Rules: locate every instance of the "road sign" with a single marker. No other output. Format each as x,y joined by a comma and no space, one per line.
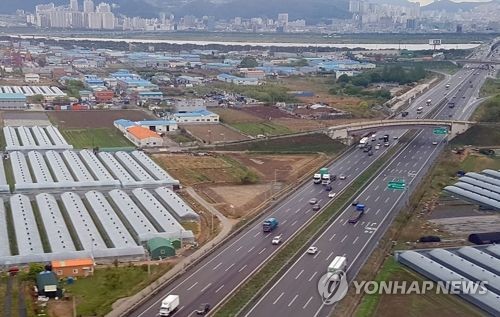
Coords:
440,131
396,184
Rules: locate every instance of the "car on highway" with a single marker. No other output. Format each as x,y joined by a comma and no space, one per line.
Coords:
276,240
342,177
328,188
370,153
312,250
203,309
316,207
377,147
313,201
386,144
331,194
395,137
435,143
355,203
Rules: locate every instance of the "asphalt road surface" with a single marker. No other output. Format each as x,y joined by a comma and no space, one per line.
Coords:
295,293
232,263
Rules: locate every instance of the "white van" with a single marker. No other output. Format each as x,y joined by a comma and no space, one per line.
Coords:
420,109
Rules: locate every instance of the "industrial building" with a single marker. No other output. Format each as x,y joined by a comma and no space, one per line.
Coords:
200,116
9,101
159,126
482,189
238,80
46,91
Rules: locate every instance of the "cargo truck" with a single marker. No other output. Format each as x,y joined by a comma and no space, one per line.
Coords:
357,213
169,305
269,224
339,263
318,177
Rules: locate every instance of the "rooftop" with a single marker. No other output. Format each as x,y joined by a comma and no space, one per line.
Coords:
198,113
142,133
11,96
72,262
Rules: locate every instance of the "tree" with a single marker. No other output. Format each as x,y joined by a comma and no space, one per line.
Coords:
343,79
248,62
37,98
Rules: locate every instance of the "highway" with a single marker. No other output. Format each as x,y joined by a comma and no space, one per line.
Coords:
221,272
295,293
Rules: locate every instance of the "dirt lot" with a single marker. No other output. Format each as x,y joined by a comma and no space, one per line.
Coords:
266,112
218,178
218,132
94,118
230,115
18,118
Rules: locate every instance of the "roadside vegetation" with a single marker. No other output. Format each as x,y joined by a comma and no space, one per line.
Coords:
314,143
73,88
491,87
268,93
263,128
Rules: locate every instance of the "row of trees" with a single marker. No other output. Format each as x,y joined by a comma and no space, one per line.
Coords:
388,74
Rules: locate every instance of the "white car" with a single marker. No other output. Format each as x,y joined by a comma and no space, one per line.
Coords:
312,250
435,143
276,240
377,147
331,194
342,177
313,201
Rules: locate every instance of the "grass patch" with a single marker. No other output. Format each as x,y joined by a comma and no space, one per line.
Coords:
100,137
191,225
9,174
269,271
488,111
263,128
181,138
490,87
95,294
11,229
479,135
313,143
2,140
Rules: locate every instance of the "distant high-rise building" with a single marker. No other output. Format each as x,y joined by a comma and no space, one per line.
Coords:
354,6
459,28
88,6
94,20
58,19
108,20
103,8
77,20
44,7
282,19
73,5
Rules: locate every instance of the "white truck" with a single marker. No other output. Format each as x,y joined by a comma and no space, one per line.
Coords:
169,305
339,263
363,142
325,179
317,178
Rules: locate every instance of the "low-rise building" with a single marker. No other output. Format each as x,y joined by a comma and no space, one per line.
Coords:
73,267
238,80
10,101
103,96
143,137
31,78
189,105
200,116
158,126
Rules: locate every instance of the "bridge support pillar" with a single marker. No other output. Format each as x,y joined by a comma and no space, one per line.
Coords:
458,128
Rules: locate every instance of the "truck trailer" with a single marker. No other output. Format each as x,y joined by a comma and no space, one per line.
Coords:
269,224
169,305
339,263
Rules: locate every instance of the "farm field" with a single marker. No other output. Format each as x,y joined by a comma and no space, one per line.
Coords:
100,137
264,128
94,118
313,143
210,133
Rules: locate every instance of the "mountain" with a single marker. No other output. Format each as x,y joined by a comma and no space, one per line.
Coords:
450,6
311,10
297,9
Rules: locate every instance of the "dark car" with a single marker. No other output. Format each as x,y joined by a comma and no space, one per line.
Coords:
333,177
328,188
203,309
316,207
370,153
404,113
355,203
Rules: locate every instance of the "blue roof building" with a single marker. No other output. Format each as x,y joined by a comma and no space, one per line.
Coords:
12,101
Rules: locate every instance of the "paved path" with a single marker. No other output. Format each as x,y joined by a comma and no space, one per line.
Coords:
121,306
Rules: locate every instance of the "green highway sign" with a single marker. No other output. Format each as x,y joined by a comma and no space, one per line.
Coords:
397,184
440,131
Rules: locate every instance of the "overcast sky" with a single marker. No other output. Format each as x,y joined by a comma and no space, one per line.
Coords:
424,2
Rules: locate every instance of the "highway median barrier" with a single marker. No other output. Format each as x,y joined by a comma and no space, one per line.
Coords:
255,286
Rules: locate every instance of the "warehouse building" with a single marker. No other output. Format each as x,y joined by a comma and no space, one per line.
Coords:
159,126
143,137
160,248
9,101
200,116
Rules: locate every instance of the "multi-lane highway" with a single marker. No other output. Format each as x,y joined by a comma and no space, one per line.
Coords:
295,293
228,266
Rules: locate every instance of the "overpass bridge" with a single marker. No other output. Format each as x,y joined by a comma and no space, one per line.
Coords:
346,131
